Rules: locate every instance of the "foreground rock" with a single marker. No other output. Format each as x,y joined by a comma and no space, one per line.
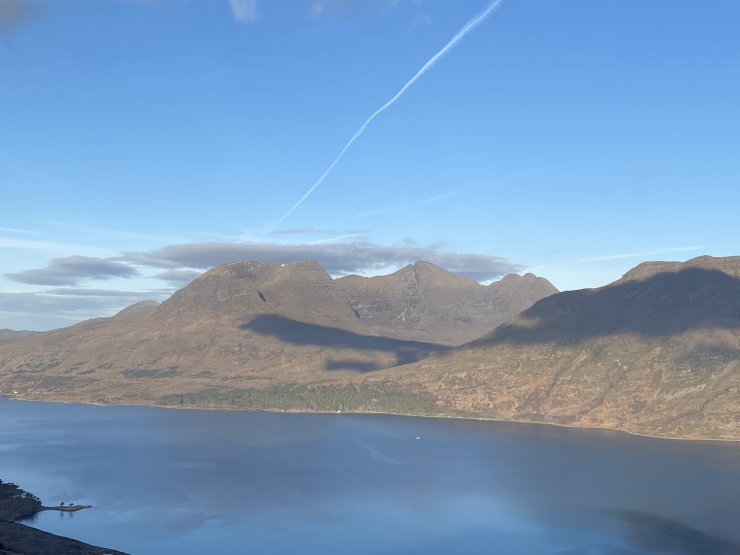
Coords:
18,539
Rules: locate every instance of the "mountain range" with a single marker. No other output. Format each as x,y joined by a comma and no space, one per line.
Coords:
656,352
255,324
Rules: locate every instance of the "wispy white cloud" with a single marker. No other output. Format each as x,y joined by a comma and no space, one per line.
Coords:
420,20
605,258
14,13
245,11
166,236
317,8
18,231
8,243
337,239
89,292
296,231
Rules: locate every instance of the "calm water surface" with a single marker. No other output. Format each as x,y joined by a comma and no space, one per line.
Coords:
186,482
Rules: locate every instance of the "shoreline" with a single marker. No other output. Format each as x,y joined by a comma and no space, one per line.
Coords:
452,417
65,508
17,506
378,413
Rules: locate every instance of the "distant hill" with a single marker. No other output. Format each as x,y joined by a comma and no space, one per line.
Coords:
253,324
655,352
137,310
428,303
11,335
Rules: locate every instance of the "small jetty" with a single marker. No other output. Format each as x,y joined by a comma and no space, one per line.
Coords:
66,508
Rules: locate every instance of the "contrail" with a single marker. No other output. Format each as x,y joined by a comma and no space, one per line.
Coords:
469,26
399,206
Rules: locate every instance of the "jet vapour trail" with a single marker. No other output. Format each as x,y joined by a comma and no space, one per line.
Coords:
398,206
469,26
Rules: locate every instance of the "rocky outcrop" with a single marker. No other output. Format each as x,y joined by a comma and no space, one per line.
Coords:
428,303
18,539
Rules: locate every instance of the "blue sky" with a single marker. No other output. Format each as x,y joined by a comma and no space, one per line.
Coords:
144,138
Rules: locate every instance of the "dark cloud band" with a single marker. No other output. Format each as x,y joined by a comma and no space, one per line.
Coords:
180,264
72,269
337,258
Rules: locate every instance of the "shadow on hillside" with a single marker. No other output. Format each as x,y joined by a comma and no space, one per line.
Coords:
301,333
662,305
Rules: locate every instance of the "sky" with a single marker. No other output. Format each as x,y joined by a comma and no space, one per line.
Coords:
145,141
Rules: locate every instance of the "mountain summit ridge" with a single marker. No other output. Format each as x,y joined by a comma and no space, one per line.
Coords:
431,302
252,323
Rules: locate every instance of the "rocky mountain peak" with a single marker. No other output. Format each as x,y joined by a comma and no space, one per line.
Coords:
300,290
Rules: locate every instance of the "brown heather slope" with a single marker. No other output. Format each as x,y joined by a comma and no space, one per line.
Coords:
251,325
656,352
11,335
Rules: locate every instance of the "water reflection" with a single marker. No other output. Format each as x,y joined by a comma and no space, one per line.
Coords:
166,481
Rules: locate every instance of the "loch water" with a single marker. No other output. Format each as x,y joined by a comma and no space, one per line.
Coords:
184,482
